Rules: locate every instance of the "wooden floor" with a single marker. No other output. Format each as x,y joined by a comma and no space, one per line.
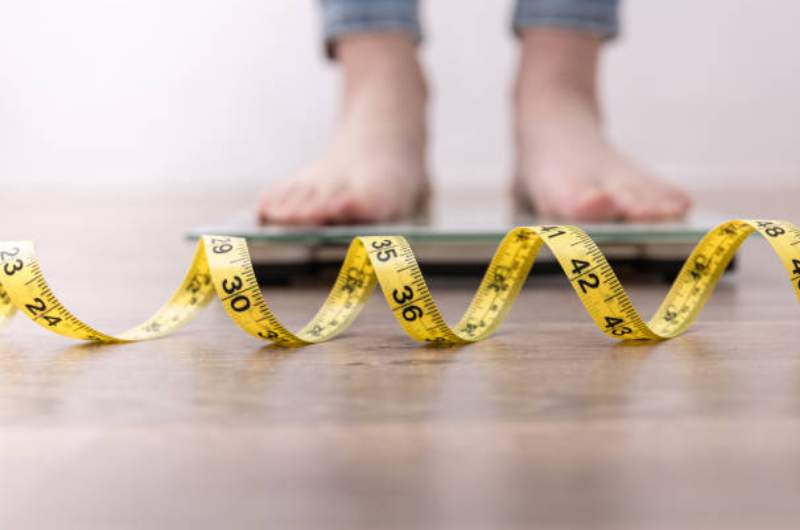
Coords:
547,425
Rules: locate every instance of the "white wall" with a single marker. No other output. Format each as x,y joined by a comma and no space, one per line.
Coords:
139,95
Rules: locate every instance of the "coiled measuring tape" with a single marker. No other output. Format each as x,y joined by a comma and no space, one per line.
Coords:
223,265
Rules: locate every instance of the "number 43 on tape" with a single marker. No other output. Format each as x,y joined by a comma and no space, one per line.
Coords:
222,266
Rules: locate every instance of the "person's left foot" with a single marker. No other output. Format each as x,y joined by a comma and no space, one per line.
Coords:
565,167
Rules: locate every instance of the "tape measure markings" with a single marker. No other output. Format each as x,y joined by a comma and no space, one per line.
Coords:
222,265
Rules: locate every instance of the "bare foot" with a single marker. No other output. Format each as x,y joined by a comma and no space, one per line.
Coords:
374,169
565,166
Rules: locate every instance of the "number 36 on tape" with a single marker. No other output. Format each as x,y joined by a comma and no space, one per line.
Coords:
222,265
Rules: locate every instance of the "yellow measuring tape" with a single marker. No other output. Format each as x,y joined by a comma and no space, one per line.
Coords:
223,265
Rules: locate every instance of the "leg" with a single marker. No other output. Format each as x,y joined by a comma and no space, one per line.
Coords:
565,165
374,169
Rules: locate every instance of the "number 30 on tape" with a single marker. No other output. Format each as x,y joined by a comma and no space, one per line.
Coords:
222,265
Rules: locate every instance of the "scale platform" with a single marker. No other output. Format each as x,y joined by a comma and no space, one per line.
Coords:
456,240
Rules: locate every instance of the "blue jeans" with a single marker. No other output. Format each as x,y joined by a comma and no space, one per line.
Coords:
340,17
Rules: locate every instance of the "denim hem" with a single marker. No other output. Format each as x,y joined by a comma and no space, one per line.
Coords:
597,17
343,18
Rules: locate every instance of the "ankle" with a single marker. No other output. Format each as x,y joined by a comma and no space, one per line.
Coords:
383,82
557,68
379,56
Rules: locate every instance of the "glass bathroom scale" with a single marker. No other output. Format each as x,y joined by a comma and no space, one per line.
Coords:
458,242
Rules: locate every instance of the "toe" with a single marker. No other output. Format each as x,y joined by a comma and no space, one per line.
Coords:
264,207
356,203
581,200
570,193
284,207
338,207
355,207
679,202
594,205
316,209
651,200
635,203
304,207
271,203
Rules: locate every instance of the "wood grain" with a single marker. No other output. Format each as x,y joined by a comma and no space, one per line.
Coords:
548,424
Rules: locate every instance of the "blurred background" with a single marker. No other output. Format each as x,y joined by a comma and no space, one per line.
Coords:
136,97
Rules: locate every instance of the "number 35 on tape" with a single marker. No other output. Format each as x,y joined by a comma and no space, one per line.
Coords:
221,266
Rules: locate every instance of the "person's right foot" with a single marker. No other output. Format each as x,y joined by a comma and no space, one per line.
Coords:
374,169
